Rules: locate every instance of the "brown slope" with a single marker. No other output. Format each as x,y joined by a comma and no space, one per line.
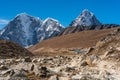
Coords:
109,46
9,49
83,39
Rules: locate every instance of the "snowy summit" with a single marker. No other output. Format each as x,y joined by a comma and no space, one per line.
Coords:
86,18
28,30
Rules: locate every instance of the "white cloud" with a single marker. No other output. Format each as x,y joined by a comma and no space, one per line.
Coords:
3,21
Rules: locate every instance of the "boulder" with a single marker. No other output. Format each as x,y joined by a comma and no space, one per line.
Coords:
3,67
83,63
27,59
9,72
53,78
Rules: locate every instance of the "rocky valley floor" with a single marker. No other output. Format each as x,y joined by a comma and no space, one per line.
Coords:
75,67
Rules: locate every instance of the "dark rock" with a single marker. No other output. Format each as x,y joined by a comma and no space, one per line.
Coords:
9,72
73,29
84,63
69,69
43,71
27,59
3,67
32,67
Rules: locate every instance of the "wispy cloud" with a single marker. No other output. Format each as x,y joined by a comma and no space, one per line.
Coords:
3,21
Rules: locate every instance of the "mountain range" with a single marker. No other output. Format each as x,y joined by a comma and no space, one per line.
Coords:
27,30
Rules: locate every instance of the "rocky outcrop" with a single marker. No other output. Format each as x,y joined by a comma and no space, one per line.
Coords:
73,29
109,46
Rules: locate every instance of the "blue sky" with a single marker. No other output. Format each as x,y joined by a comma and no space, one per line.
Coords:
107,11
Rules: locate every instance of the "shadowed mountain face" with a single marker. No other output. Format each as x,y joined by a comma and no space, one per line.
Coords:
27,30
10,50
21,30
74,29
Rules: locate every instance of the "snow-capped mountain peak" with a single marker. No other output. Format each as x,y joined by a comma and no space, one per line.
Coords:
24,16
21,29
86,18
51,28
86,13
49,19
25,19
28,30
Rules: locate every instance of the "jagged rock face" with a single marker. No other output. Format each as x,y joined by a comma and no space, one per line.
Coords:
22,30
85,19
82,28
49,28
27,30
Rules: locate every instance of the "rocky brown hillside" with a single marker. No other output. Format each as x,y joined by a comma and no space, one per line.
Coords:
9,49
109,46
84,39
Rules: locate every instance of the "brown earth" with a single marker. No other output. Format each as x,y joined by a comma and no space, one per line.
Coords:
67,44
9,49
84,39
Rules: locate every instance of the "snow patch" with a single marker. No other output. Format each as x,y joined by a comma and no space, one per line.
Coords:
2,31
